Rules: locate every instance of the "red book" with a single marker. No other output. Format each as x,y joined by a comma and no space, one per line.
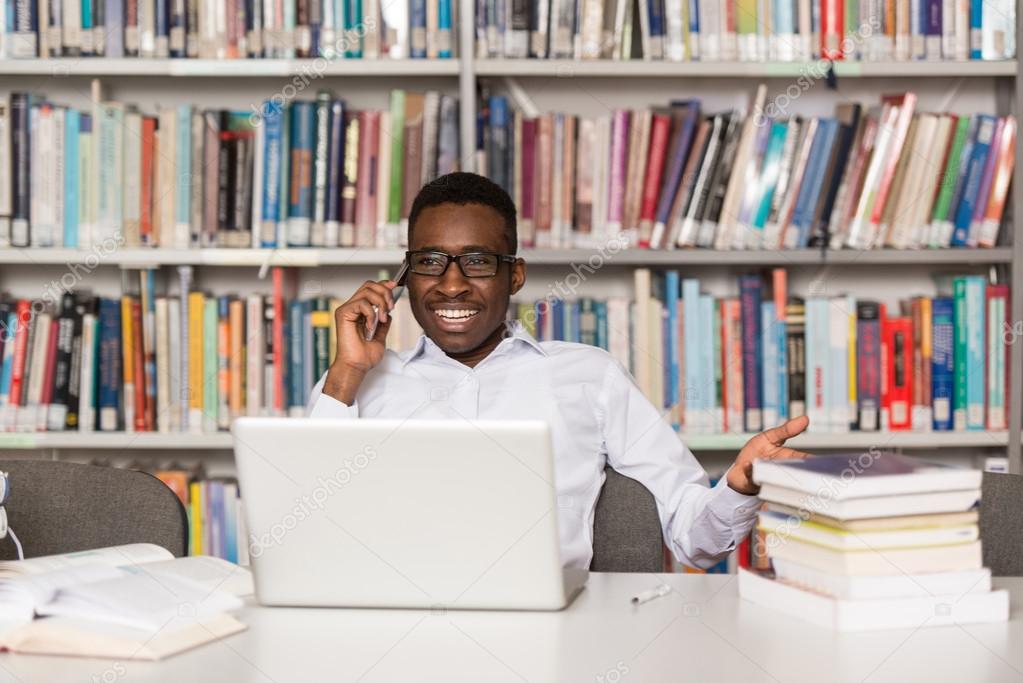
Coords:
544,179
906,104
660,129
148,177
366,185
742,553
46,398
139,361
278,328
832,29
898,338
24,317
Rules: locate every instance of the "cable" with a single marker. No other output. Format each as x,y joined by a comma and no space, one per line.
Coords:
17,543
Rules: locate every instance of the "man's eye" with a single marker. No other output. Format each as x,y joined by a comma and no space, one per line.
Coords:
477,261
427,261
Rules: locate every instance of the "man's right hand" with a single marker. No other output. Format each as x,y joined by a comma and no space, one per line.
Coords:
355,354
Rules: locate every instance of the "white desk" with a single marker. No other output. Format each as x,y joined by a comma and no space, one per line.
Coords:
701,632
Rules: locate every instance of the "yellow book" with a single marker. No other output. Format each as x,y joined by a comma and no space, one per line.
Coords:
128,364
851,383
195,520
196,381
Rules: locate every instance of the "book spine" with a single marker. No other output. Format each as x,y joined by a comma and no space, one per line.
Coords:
300,208
975,352
109,365
750,297
333,235
211,389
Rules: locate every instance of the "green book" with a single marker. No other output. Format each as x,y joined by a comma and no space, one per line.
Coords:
209,363
397,155
948,178
959,374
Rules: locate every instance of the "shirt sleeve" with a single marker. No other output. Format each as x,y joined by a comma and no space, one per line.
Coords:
701,524
321,405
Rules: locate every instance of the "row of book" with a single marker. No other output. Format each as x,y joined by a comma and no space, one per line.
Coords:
216,521
307,173
678,177
228,29
149,362
747,30
192,363
743,364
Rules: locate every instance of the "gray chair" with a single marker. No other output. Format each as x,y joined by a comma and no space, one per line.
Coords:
1001,523
62,507
626,528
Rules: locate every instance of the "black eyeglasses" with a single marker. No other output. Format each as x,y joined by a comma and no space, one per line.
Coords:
475,264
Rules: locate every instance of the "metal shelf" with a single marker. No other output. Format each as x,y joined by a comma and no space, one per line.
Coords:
188,68
696,442
567,68
313,257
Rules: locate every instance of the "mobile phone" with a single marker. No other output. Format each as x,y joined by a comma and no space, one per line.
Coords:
396,293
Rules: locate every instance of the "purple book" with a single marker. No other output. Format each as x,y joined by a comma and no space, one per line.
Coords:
677,153
932,30
984,192
619,152
750,295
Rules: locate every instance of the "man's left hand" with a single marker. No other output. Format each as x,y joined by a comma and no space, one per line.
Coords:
768,445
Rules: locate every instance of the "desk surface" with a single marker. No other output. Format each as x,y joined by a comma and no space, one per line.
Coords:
700,632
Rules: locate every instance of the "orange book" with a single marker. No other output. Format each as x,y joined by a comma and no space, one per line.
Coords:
1000,185
196,381
176,481
146,181
236,325
128,363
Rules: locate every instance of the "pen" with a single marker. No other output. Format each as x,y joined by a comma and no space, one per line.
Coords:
396,293
651,594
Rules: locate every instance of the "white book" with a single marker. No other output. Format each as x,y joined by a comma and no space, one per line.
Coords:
197,159
132,198
29,416
255,359
57,172
6,194
163,366
710,38
875,561
87,389
641,342
870,507
167,173
837,372
42,230
674,18
618,330
806,531
109,155
734,193
878,614
883,587
173,408
962,30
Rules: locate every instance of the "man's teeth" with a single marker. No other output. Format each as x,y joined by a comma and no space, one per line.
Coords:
455,315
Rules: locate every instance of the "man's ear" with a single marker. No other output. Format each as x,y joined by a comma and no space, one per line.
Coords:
518,275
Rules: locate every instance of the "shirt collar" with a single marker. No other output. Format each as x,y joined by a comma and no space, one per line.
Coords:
517,337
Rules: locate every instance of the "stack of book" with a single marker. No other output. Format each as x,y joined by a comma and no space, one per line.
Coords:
747,30
677,177
228,29
216,521
300,173
872,541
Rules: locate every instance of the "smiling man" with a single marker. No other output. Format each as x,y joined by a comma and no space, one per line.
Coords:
471,364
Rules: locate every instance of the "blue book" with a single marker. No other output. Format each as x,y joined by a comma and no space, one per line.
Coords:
575,309
960,178
113,23
768,178
297,348
974,174
691,349
300,199
215,521
7,369
183,160
655,11
942,362
678,152
600,308
810,191
771,406
353,26
498,153
273,118
976,352
707,391
162,24
335,167
72,120
671,302
444,29
557,319
750,298
694,28
109,365
417,29
976,28
230,502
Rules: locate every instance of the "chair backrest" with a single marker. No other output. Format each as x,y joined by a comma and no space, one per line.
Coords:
626,528
62,507
1001,523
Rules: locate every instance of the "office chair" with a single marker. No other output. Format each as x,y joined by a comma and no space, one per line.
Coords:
61,507
1001,523
626,528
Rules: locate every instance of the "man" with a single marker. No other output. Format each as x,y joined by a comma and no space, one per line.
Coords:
471,364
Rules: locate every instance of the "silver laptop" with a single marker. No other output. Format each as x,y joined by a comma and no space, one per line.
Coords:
402,513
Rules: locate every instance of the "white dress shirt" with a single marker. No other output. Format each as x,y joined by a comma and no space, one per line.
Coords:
597,416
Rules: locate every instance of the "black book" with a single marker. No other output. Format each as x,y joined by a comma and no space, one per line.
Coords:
21,153
795,348
57,416
74,388
723,171
848,117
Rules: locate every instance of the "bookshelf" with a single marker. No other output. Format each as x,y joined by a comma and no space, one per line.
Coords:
556,84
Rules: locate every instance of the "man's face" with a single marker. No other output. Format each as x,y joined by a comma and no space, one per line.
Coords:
455,229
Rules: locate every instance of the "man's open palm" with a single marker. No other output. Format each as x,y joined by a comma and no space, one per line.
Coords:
767,445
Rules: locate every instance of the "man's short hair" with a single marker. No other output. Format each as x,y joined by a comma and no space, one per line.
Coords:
467,188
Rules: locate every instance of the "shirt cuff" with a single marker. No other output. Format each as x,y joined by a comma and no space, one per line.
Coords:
328,406
727,503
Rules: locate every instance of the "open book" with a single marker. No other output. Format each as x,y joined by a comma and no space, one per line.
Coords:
127,602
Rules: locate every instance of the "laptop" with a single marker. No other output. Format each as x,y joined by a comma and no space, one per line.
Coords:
439,514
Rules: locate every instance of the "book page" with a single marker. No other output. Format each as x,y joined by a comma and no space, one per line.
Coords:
212,573
115,556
